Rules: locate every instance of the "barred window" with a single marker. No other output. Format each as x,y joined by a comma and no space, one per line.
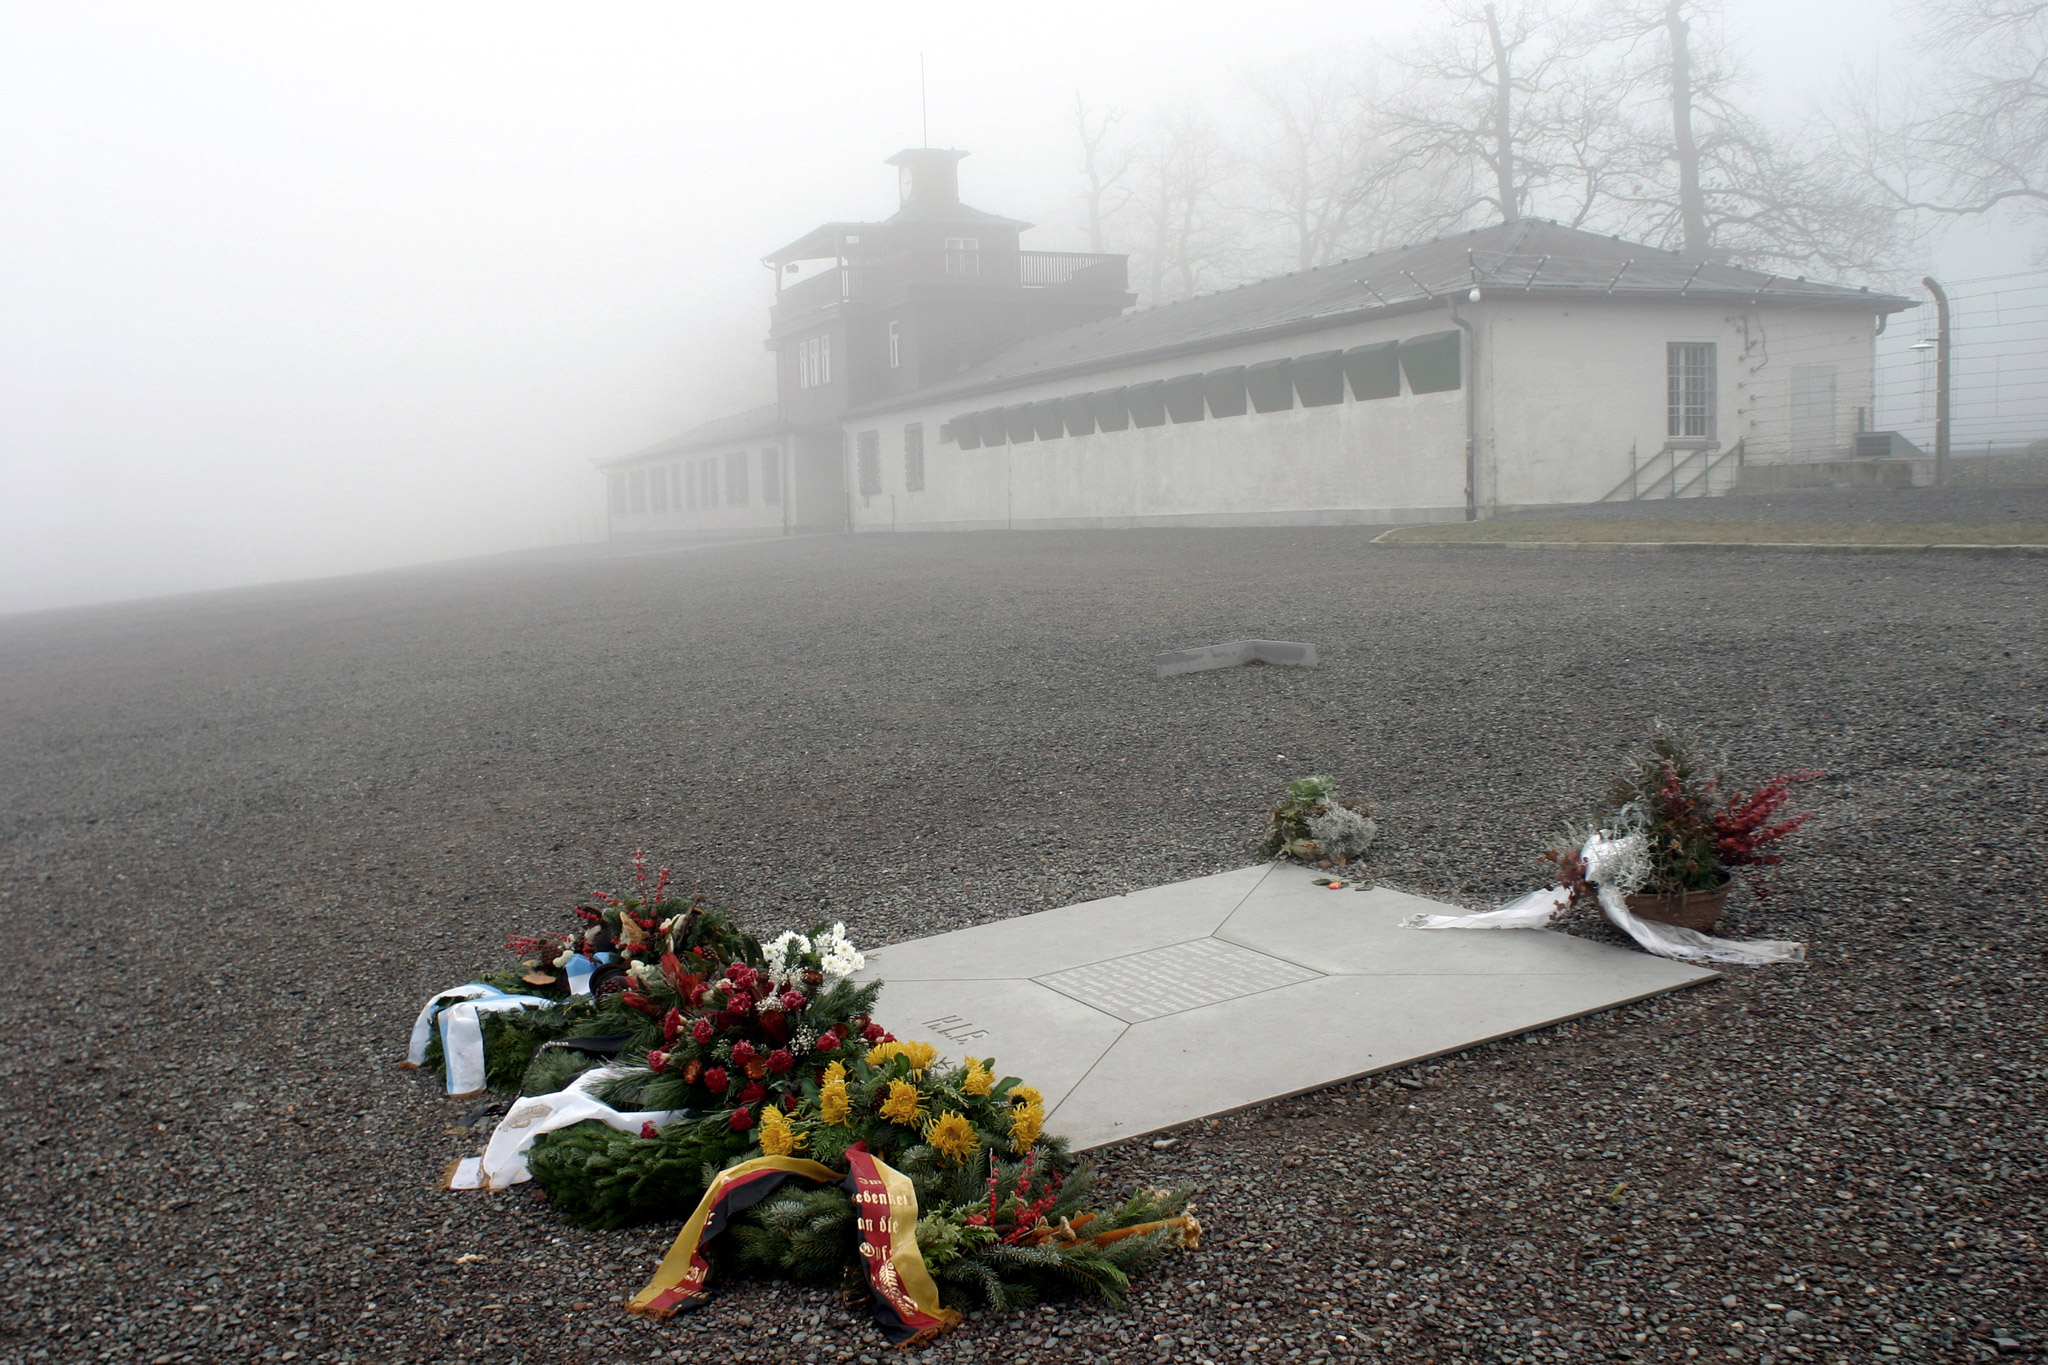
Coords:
771,475
913,457
736,479
1690,390
868,453
707,476
657,488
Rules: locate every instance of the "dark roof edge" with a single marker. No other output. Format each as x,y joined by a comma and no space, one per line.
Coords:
1856,300
773,425
1294,328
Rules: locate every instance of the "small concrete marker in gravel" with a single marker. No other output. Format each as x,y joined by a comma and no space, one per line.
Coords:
1284,653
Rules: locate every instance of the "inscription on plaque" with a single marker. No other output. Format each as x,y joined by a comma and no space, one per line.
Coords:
955,1028
1174,979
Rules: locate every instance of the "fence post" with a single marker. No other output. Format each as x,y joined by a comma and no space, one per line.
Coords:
1941,427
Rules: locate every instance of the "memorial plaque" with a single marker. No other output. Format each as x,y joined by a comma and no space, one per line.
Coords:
1178,977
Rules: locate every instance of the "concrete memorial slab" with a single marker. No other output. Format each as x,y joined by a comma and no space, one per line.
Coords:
1140,1012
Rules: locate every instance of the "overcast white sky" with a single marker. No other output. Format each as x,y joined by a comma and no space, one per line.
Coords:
291,289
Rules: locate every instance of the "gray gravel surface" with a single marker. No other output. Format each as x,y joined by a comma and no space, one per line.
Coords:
245,834
1885,507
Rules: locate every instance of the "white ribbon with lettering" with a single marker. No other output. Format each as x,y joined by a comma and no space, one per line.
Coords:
1615,867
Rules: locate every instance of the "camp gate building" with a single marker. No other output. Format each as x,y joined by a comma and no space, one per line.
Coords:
934,376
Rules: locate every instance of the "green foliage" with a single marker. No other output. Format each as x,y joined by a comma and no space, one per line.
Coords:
1315,825
556,1068
601,1178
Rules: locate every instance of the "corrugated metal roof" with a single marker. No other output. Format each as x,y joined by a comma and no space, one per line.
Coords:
1533,257
741,426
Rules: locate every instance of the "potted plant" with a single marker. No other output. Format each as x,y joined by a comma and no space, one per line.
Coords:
1312,824
1696,829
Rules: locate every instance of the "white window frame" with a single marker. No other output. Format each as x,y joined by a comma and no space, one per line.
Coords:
895,345
1691,392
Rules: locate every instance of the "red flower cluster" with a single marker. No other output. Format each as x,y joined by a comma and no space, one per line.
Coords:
1744,825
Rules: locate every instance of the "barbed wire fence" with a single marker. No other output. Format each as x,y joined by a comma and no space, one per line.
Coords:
1998,378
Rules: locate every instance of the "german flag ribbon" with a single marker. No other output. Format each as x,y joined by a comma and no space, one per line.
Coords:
678,1283
905,1300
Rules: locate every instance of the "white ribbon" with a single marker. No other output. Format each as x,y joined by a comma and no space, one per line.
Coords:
1621,861
503,1163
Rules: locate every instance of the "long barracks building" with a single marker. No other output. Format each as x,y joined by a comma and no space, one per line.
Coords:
932,375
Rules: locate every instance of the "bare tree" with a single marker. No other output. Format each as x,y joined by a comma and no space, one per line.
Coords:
1105,167
1476,103
1329,178
1185,239
1704,176
1974,140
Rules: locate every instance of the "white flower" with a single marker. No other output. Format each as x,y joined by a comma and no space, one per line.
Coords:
1617,860
785,958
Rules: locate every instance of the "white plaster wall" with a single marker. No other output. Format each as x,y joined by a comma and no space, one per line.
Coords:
1350,462
1577,387
752,516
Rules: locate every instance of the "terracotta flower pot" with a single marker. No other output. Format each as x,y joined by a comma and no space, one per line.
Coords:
1687,909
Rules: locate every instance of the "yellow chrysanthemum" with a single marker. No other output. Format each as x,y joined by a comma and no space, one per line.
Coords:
921,1055
978,1080
778,1136
1026,1122
1027,1094
904,1103
834,1106
835,1072
952,1134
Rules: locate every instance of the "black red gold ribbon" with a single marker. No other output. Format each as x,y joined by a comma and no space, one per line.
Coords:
906,1302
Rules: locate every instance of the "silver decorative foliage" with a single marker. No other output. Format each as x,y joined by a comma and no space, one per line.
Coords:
1341,832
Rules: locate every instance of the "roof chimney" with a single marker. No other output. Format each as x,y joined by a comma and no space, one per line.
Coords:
928,175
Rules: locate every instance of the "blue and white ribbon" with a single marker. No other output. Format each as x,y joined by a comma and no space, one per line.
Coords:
580,969
459,1014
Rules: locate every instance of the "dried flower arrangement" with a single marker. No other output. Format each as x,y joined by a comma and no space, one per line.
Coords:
1695,829
1315,826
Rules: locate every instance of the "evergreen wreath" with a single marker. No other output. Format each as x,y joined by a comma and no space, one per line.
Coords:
772,1050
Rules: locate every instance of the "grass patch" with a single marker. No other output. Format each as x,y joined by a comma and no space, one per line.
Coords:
1735,532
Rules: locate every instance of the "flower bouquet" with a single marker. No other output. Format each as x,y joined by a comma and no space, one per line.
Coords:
1677,832
1313,825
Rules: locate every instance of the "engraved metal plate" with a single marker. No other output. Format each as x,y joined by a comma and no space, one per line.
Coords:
1169,980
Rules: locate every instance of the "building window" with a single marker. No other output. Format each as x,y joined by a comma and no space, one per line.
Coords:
707,480
638,496
868,454
615,485
689,486
1690,390
736,479
913,457
771,475
895,345
814,362
963,255
657,489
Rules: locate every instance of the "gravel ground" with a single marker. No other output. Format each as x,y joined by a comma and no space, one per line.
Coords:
1884,507
243,835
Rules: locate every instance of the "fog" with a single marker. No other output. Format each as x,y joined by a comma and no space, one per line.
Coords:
288,291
